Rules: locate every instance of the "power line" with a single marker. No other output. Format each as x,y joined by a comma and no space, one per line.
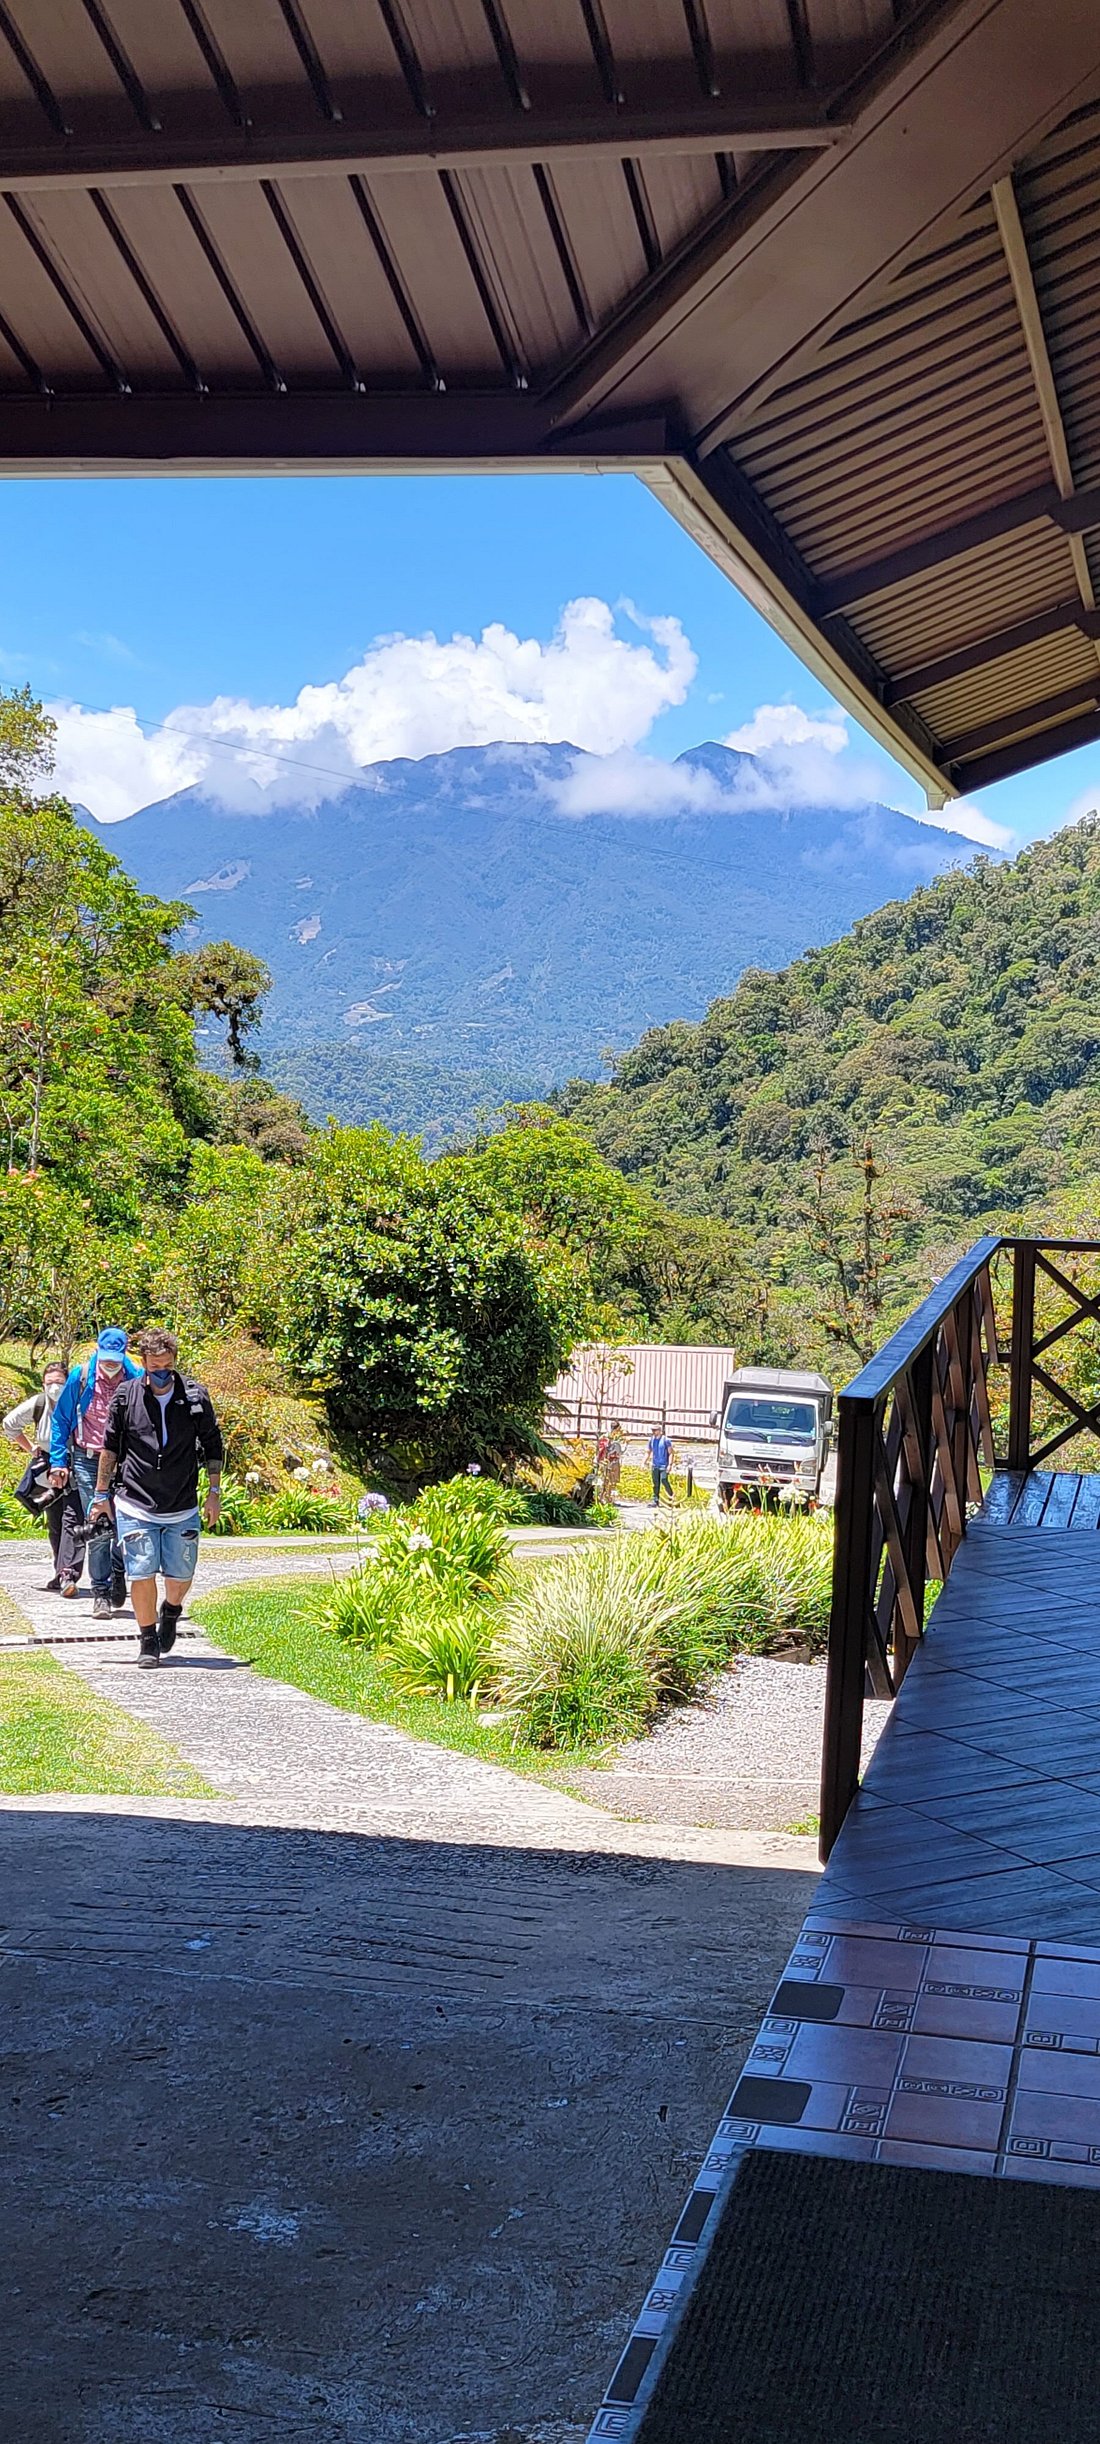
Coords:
222,746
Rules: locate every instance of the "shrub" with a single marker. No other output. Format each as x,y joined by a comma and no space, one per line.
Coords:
579,1653
364,1607
448,1654
787,1573
545,1508
299,1510
447,1538
240,1513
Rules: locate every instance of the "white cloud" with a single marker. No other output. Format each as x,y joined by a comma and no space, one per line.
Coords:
627,783
1087,802
961,815
107,763
408,696
793,759
777,726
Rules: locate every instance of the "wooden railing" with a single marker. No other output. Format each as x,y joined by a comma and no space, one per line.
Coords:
912,1432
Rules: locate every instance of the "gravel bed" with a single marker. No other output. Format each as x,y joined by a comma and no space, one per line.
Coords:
746,1754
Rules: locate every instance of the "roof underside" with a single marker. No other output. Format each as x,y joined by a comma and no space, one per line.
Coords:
826,273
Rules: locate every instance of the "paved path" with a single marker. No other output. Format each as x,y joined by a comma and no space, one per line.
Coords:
354,2107
746,1756
294,1760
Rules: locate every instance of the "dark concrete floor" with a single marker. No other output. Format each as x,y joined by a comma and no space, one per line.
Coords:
314,2136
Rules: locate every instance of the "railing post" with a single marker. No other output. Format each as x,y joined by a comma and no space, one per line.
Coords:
855,1516
1023,1335
960,1430
915,1530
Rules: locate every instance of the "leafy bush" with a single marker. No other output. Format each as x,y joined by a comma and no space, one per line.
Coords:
240,1513
365,1607
590,1648
447,1538
579,1653
299,1510
448,1654
545,1508
422,1593
787,1566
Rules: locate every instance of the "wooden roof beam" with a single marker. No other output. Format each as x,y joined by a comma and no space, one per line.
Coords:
1039,748
1080,698
313,432
1075,517
796,123
1014,243
966,658
961,90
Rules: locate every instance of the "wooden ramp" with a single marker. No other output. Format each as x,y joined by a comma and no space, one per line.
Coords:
941,2008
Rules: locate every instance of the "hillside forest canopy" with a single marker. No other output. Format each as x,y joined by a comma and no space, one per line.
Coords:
427,1304
859,1118
785,1177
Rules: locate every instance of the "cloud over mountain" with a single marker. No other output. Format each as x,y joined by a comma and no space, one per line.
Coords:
601,681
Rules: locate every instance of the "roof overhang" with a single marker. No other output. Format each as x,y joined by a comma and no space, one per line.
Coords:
833,294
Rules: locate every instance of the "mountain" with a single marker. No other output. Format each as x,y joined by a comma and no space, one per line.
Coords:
444,916
958,1030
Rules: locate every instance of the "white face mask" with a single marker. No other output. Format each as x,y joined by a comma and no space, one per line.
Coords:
110,1366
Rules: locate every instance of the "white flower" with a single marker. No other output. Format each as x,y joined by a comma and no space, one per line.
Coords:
473,1469
252,1476
320,1468
302,1475
419,1543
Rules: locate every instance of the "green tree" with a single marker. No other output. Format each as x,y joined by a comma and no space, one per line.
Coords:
229,983
418,1306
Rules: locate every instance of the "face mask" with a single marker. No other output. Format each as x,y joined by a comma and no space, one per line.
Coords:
160,1375
110,1366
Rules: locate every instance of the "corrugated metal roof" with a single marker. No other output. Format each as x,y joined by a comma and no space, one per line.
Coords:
765,251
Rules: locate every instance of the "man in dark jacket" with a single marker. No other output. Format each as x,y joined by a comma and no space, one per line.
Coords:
158,1430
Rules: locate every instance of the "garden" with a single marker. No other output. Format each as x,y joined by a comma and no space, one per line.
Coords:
445,1628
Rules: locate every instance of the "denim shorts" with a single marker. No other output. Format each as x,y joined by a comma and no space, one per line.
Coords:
147,1547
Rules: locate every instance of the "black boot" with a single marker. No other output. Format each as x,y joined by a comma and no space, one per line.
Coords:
149,1648
118,1590
166,1624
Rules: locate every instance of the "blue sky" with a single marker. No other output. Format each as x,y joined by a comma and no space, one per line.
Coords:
163,597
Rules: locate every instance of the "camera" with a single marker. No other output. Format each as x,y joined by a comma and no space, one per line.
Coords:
102,1526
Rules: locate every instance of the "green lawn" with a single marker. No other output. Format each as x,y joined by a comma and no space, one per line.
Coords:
272,1628
56,1734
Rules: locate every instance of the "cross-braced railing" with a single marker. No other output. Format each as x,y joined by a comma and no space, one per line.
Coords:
913,1431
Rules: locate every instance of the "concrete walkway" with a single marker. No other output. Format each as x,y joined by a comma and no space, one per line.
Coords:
353,2107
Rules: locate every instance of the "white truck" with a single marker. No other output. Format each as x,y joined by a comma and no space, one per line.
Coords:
773,1436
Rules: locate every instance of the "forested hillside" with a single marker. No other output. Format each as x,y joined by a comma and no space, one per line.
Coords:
446,933
428,1305
931,1074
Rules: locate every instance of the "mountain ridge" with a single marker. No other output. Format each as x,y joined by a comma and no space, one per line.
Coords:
444,910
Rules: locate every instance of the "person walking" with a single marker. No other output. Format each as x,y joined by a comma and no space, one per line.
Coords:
660,1461
158,1430
77,1428
27,1426
610,1456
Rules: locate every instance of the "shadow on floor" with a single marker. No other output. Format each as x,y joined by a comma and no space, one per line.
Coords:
349,2140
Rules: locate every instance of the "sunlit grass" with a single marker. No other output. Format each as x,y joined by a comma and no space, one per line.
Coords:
56,1734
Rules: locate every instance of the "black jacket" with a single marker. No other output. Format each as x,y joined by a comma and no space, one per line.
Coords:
162,1480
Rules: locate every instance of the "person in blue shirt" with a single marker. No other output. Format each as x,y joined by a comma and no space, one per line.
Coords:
77,1429
660,1461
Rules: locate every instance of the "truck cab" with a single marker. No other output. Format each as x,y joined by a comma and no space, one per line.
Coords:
773,1436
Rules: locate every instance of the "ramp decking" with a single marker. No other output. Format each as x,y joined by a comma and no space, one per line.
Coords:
941,2008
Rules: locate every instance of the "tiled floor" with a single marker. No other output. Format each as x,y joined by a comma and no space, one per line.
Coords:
942,2004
